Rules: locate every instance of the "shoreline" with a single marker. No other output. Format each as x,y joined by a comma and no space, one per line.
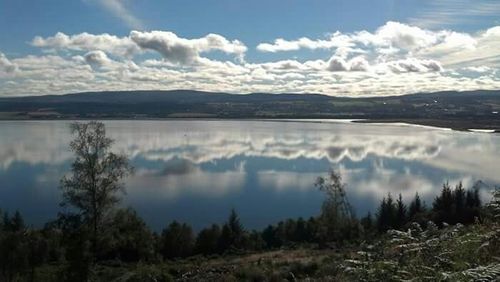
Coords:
455,125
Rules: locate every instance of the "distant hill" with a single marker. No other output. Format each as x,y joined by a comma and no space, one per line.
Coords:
478,108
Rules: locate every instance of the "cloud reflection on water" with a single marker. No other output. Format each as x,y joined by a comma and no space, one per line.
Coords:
244,161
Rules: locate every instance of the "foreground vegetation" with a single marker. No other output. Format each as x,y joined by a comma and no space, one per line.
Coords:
457,238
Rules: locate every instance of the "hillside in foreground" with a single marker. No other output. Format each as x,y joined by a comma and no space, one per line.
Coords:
459,110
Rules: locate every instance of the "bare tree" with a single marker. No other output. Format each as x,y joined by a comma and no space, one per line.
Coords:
95,182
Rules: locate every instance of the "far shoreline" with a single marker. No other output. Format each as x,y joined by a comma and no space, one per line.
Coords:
455,125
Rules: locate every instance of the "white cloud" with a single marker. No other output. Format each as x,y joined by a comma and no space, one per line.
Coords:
394,59
119,46
118,9
446,13
339,64
182,50
393,34
414,65
280,44
6,66
98,58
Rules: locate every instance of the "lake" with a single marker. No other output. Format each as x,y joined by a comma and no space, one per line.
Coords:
195,171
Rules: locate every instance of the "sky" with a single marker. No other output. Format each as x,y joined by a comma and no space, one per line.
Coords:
333,47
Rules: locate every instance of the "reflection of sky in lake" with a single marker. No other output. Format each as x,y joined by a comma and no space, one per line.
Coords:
196,171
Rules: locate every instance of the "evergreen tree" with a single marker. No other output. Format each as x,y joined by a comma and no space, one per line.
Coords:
443,205
367,223
386,214
459,197
130,239
401,213
300,230
269,237
416,207
177,241
232,233
207,240
17,222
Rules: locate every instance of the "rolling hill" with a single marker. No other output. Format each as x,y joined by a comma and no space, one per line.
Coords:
460,110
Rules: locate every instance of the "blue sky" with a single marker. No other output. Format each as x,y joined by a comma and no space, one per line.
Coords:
335,47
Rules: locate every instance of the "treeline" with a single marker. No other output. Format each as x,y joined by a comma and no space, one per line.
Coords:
128,239
451,206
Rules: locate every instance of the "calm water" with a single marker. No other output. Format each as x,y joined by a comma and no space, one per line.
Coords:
196,171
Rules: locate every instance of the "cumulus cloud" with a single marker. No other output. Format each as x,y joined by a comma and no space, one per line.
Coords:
98,58
396,41
181,50
172,47
6,66
393,34
414,65
339,64
393,59
336,40
120,46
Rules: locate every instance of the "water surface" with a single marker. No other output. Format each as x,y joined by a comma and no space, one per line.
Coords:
196,171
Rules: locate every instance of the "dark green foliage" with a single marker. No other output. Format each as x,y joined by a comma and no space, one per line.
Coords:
457,205
92,188
177,241
14,252
254,241
451,206
270,237
129,238
368,225
416,207
401,213
232,235
386,214
22,250
338,222
207,241
14,223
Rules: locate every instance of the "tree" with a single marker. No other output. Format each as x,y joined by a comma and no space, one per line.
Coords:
207,240
337,216
95,181
130,239
269,237
416,207
443,205
177,241
401,213
232,234
459,197
367,223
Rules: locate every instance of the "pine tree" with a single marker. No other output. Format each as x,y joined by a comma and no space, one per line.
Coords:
416,207
207,240
401,213
367,223
459,196
232,233
443,205
177,241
